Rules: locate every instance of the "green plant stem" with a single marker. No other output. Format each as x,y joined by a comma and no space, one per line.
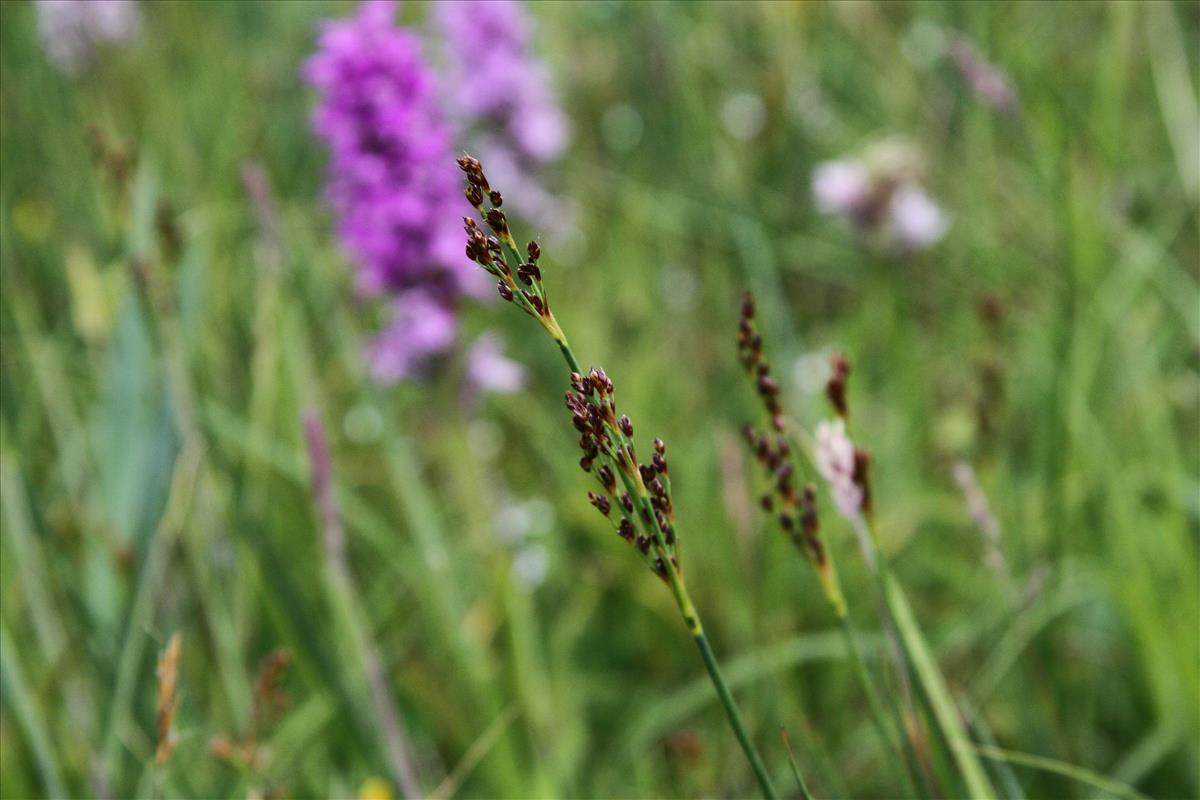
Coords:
692,619
570,357
864,677
933,686
804,792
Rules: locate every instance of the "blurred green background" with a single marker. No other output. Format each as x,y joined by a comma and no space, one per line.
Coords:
155,479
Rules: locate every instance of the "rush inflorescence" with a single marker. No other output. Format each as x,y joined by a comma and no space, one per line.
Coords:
635,497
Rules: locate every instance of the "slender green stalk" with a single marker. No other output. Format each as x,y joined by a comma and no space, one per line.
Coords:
864,677
18,698
787,743
692,619
933,686
1075,773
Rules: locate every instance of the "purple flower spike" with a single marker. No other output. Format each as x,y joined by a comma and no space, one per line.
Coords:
392,179
496,81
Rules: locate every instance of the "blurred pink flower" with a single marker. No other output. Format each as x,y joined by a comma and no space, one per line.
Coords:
916,220
501,96
880,194
835,461
841,187
987,82
489,370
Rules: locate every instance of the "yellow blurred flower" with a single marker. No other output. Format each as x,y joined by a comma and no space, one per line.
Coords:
33,219
91,298
375,789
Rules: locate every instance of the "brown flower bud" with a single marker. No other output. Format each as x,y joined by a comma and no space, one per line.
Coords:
601,502
607,478
474,195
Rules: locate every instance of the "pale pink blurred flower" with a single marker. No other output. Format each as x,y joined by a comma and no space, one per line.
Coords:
916,221
421,328
489,370
72,29
987,82
835,461
841,187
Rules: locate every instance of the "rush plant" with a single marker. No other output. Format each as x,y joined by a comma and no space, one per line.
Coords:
847,469
634,494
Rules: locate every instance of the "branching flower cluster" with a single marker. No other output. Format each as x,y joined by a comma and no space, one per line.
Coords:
520,277
644,513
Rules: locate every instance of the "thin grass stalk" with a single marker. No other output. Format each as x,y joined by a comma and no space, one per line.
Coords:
934,688
397,744
18,698
914,779
800,784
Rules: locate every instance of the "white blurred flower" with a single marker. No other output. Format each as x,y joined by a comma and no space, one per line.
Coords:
811,371
835,461
530,566
679,288
841,187
71,29
916,221
743,116
512,522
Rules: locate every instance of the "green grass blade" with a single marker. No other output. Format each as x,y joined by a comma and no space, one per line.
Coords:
933,686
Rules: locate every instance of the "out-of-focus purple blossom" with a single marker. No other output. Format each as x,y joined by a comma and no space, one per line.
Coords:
489,370
881,195
72,29
987,82
393,186
835,461
392,179
495,81
420,328
917,221
501,95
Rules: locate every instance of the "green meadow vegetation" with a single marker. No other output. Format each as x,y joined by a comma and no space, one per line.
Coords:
179,328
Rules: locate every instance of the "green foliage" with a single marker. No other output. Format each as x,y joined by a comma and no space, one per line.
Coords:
154,477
